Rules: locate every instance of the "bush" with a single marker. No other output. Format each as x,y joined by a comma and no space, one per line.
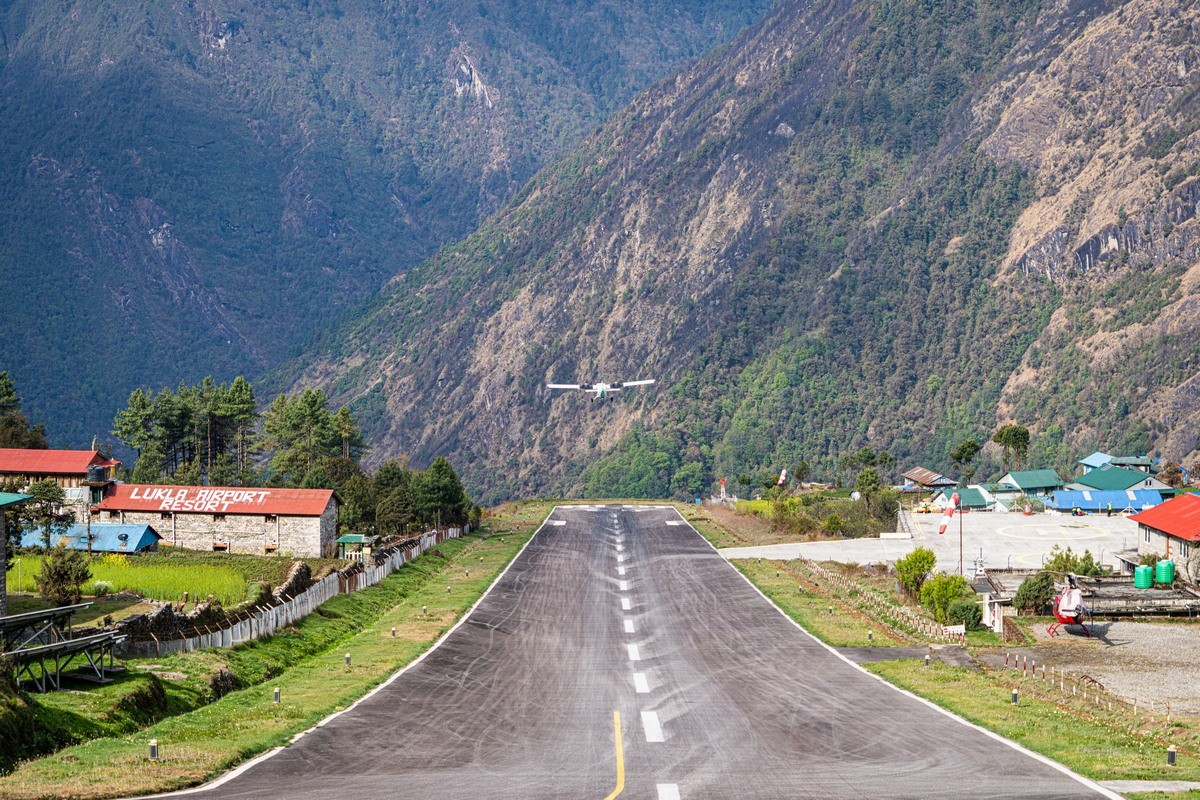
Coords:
102,588
965,612
1066,561
62,576
832,525
940,591
1035,594
914,568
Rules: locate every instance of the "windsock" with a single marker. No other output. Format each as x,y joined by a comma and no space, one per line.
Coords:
782,478
948,514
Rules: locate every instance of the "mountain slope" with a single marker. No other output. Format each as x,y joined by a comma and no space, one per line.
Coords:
821,237
194,187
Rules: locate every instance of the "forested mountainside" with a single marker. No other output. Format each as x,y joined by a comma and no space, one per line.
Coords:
191,187
893,223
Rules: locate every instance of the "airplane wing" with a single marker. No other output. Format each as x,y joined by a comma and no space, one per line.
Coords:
563,386
637,383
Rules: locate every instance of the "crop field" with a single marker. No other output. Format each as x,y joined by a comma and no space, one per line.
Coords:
155,581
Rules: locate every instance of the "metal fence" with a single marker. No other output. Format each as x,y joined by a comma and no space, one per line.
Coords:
266,620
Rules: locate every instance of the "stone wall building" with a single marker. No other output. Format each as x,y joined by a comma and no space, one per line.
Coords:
298,522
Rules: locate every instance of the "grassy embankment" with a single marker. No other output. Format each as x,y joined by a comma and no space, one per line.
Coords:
1085,736
215,730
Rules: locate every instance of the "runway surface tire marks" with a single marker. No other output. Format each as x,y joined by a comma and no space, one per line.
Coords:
518,702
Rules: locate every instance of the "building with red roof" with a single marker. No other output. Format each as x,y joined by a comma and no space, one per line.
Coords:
82,474
300,522
1171,530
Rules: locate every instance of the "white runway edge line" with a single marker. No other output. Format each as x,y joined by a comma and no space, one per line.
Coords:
634,655
228,776
668,791
640,684
652,727
1088,782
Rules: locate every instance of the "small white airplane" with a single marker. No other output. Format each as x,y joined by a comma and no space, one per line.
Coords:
599,391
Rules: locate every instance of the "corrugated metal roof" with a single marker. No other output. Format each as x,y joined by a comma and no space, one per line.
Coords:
1099,500
1111,478
927,477
1179,517
968,497
217,500
1035,479
106,538
8,498
51,462
1096,460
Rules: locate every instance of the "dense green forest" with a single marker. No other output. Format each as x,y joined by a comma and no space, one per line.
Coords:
197,189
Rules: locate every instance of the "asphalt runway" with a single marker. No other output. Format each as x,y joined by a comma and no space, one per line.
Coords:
627,611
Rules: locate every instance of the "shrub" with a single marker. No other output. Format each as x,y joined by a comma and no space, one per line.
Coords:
940,591
102,588
832,525
915,567
1035,594
965,612
62,576
1061,560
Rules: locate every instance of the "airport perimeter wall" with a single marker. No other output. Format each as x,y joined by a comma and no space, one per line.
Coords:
265,620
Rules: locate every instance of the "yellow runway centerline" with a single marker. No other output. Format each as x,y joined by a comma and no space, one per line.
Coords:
620,757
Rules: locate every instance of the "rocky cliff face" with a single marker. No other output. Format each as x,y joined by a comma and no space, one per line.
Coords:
1106,128
864,223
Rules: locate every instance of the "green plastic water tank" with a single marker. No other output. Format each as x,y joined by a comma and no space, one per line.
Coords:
1143,577
1164,572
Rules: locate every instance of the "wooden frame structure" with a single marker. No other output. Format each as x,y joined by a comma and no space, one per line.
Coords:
43,639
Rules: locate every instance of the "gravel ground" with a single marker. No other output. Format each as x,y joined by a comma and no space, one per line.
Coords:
1144,661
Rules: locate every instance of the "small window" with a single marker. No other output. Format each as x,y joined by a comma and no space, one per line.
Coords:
165,515
218,517
270,517
114,514
221,546
270,548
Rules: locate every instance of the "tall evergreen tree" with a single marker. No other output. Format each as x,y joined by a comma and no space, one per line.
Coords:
15,430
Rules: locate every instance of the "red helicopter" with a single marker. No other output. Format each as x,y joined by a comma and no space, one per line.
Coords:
1069,610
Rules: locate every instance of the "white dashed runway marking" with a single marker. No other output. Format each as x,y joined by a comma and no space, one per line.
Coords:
652,727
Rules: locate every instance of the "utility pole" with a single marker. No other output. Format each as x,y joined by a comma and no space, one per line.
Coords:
960,544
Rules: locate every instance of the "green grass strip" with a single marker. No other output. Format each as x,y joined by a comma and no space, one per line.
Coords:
1095,745
838,629
204,742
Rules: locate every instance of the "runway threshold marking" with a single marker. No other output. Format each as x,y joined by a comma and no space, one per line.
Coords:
620,757
629,626
640,684
668,791
634,655
652,727
626,604
620,570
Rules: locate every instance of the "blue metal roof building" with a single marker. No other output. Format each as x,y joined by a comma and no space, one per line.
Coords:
1098,500
106,538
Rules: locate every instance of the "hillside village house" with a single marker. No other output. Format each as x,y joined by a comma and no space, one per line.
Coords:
1031,482
82,474
1171,530
921,478
299,522
1110,478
